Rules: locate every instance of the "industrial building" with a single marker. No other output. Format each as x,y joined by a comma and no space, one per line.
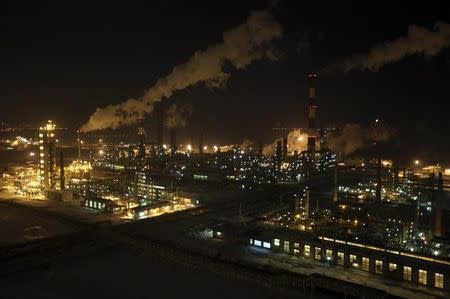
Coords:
47,155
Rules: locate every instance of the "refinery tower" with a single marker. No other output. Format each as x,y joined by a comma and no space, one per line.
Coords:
47,156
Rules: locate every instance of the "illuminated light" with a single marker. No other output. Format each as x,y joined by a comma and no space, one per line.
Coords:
189,148
417,162
205,148
101,152
32,154
266,245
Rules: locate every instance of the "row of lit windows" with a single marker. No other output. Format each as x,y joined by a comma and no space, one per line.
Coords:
95,205
260,243
365,262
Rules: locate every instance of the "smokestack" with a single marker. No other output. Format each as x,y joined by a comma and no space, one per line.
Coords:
312,108
278,153
285,147
79,145
307,202
335,182
61,173
173,141
200,145
378,190
437,210
159,119
260,148
141,136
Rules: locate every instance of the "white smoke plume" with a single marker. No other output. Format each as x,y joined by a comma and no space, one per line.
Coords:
177,115
297,141
354,137
419,40
246,145
240,47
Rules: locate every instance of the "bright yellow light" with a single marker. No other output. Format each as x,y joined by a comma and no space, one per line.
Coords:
300,138
189,148
32,154
417,162
205,147
101,152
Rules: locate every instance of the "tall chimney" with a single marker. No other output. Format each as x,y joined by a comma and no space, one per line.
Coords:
278,153
285,147
159,118
79,145
200,145
61,171
378,190
335,183
173,141
312,108
141,136
260,148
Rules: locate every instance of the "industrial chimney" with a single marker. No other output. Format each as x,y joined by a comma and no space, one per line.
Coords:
278,153
378,190
334,196
285,147
62,177
312,108
173,141
200,145
159,119
141,136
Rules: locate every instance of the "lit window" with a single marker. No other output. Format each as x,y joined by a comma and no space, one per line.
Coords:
276,242
257,243
365,263
379,267
307,251
296,245
296,251
318,253
392,267
340,258
286,246
329,254
407,273
266,245
439,280
251,241
353,261
423,277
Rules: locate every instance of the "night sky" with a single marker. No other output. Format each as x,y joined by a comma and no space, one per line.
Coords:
60,60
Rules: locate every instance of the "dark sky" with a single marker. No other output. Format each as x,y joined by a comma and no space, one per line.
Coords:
62,59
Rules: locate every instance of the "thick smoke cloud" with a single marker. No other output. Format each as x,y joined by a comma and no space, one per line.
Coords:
354,137
241,46
419,40
351,140
297,141
177,115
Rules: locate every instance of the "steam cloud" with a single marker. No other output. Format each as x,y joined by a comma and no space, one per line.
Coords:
420,40
241,46
354,138
297,141
177,116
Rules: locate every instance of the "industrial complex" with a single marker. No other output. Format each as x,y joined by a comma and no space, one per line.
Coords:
358,213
